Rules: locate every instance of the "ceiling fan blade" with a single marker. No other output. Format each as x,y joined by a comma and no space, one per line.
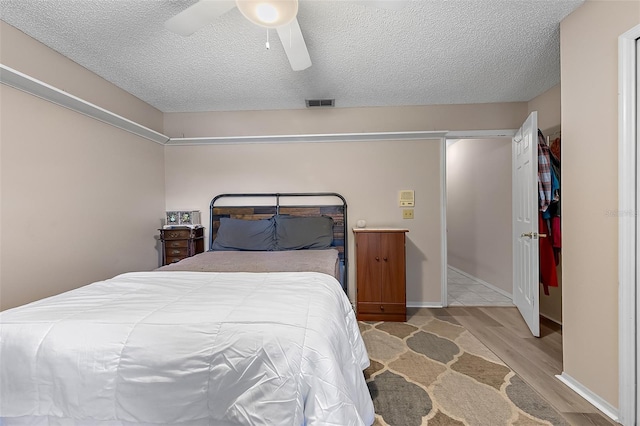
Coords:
294,45
384,4
197,16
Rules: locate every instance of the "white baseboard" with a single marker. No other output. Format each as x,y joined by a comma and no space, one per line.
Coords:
602,405
484,283
424,304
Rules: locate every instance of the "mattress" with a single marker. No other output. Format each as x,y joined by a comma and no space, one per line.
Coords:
187,348
325,261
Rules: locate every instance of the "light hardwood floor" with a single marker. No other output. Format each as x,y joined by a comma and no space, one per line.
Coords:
535,360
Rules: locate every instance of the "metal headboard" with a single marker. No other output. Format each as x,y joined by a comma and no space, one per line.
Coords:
337,211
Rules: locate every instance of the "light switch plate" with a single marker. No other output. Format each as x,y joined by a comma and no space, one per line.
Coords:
407,213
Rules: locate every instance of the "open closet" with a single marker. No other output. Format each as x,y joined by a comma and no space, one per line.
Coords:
550,243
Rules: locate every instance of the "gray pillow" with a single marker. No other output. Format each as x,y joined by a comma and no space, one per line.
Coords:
293,232
238,234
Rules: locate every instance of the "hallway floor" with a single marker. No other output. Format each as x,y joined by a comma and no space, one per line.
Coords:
465,291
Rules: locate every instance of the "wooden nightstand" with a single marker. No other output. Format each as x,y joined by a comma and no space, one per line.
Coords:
381,274
180,242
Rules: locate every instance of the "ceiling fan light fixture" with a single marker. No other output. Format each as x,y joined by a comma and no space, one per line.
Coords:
269,13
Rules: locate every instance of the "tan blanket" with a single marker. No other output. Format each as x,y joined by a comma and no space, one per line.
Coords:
325,261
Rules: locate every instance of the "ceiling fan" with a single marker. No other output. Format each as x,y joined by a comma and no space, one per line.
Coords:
278,14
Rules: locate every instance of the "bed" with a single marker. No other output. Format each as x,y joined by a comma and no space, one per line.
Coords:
191,345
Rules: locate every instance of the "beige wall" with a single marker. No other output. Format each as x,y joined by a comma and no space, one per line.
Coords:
479,210
548,106
368,174
346,120
25,54
81,200
589,59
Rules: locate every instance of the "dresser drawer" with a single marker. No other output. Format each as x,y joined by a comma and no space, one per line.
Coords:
382,317
173,259
381,308
176,234
176,252
176,243
180,243
382,312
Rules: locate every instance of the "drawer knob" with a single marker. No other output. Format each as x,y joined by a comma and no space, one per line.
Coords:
381,308
377,259
384,258
175,252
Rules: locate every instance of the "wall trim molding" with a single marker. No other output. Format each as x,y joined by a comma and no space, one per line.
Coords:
483,282
40,89
35,87
317,138
482,134
627,216
591,397
444,241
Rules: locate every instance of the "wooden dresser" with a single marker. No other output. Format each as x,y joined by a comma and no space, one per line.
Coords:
181,242
381,274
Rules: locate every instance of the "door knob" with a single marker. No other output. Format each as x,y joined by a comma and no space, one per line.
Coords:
533,235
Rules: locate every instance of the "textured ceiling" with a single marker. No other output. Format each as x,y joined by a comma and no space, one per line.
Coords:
430,52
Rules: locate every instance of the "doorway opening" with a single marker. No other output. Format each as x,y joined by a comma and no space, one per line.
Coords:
479,220
479,248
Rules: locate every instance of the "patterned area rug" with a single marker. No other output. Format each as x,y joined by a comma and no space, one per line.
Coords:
430,371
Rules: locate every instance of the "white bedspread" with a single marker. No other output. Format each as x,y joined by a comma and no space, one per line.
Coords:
188,348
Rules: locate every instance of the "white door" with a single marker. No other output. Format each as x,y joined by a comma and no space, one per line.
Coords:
525,223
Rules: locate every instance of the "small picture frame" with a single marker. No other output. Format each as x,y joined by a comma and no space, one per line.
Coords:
189,218
173,218
194,217
185,218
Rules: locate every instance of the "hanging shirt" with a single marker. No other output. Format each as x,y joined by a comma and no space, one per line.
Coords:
555,196
544,174
555,147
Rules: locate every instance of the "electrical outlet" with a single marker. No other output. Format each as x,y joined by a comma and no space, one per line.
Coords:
407,213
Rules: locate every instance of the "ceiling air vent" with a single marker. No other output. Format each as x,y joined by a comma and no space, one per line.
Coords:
320,103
